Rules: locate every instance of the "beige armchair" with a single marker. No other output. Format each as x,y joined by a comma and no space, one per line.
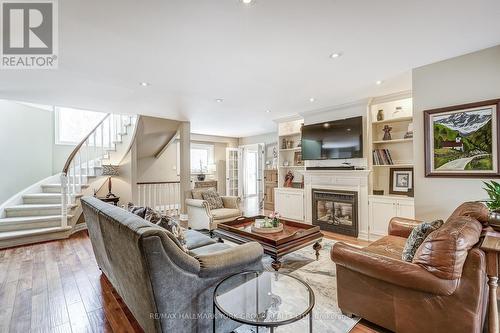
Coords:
201,217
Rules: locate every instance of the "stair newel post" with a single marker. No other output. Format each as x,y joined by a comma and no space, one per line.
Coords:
88,157
80,180
64,200
94,157
73,190
102,141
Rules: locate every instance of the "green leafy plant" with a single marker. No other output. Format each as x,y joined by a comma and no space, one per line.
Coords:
493,190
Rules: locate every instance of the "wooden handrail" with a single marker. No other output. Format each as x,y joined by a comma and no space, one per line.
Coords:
154,183
77,148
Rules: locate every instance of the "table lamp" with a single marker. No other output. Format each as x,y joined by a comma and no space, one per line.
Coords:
110,170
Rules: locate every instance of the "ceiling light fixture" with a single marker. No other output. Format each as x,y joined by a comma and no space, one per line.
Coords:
312,99
219,100
145,84
335,55
379,82
246,2
268,111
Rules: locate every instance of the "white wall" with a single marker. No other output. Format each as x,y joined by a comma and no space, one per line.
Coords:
161,169
26,142
470,78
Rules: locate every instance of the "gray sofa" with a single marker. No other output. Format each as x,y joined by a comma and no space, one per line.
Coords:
165,288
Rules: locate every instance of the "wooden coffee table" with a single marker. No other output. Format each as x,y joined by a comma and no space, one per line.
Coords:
294,236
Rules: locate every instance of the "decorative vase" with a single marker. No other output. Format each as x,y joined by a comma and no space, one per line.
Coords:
201,177
276,222
494,219
380,115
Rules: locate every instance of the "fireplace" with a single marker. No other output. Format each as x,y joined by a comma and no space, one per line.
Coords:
335,211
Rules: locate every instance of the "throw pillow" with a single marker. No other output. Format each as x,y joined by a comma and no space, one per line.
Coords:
172,225
213,198
137,210
152,215
417,237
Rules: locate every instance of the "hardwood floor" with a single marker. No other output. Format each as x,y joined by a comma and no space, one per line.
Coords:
57,287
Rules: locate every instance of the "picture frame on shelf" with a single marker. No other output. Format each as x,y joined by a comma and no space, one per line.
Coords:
297,159
401,181
462,140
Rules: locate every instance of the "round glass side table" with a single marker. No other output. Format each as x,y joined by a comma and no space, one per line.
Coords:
263,299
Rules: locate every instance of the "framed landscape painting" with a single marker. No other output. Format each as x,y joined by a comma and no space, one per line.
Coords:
462,140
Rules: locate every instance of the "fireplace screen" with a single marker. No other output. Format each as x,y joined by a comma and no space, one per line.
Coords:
335,211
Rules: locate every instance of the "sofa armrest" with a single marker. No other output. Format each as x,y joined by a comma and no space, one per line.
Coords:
231,202
393,271
402,227
197,203
230,261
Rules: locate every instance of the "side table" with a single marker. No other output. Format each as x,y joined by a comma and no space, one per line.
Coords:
111,200
491,245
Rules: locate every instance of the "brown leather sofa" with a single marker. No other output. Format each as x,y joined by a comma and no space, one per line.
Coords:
443,290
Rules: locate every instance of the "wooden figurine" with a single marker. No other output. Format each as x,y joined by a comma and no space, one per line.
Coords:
387,132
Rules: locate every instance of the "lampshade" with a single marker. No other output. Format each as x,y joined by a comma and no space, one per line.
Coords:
110,170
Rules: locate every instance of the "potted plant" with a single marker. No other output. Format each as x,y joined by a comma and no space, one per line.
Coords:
493,203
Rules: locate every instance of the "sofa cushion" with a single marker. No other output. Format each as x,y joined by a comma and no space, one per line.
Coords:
417,236
444,251
213,198
389,246
209,249
197,192
225,213
195,239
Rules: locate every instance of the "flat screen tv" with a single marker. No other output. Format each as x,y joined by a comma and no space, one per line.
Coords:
339,139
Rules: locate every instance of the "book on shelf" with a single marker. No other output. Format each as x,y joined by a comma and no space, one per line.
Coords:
382,157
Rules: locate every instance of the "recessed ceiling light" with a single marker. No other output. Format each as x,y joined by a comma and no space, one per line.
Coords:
335,55
219,100
312,99
379,82
145,84
246,2
268,111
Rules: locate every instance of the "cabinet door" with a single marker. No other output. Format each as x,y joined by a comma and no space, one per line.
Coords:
290,205
406,209
381,212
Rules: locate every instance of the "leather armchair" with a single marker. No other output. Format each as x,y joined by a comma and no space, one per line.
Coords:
201,217
442,290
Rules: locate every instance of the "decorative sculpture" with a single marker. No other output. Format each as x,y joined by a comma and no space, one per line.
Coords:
387,132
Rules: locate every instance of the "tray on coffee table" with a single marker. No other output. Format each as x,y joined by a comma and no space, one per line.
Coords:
295,236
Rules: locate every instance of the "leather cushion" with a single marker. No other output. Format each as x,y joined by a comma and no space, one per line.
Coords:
195,239
225,213
417,237
476,210
389,246
444,251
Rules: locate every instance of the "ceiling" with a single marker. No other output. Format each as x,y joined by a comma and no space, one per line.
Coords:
270,55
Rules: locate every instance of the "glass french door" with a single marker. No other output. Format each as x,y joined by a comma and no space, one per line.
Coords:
232,171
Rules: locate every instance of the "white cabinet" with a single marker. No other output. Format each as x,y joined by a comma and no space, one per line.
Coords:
289,203
383,208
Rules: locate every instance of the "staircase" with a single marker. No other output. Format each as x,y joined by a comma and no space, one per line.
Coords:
50,208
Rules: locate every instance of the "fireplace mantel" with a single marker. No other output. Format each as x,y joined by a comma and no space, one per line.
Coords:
346,180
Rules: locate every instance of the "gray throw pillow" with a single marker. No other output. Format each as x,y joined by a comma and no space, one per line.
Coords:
173,225
417,237
213,198
152,215
137,210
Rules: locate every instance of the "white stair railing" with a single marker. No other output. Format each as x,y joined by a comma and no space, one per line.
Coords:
87,155
162,196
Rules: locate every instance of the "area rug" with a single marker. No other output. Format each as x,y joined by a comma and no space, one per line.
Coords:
321,276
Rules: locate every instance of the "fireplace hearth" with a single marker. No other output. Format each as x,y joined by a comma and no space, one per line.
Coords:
335,211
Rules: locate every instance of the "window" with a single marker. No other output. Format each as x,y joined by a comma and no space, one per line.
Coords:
202,156
72,125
